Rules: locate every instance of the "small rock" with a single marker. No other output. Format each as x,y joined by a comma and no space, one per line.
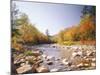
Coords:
22,64
49,62
24,69
34,66
22,60
17,63
50,57
89,53
28,57
74,54
39,57
54,46
86,65
93,64
57,59
93,59
44,56
27,62
80,65
42,69
73,66
66,62
47,59
37,53
54,70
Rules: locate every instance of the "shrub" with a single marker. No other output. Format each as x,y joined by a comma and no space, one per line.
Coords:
28,53
70,43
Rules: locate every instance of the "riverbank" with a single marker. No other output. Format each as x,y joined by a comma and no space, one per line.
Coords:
55,58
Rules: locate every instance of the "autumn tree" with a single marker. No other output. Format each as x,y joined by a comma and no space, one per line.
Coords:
87,25
85,30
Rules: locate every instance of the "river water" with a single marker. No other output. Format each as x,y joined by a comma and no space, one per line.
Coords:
58,53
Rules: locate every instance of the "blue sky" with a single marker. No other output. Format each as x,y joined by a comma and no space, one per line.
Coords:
54,17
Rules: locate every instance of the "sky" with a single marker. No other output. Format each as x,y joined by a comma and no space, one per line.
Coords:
54,17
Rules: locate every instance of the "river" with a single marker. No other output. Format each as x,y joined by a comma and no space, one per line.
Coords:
58,53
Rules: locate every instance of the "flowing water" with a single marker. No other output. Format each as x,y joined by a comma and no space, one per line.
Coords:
57,53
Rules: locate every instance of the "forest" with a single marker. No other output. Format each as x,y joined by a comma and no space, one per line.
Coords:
24,32
85,31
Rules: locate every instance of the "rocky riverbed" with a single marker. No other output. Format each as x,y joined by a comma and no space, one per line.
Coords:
54,58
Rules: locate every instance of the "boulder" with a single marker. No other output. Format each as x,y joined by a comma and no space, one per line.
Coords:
24,69
42,69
